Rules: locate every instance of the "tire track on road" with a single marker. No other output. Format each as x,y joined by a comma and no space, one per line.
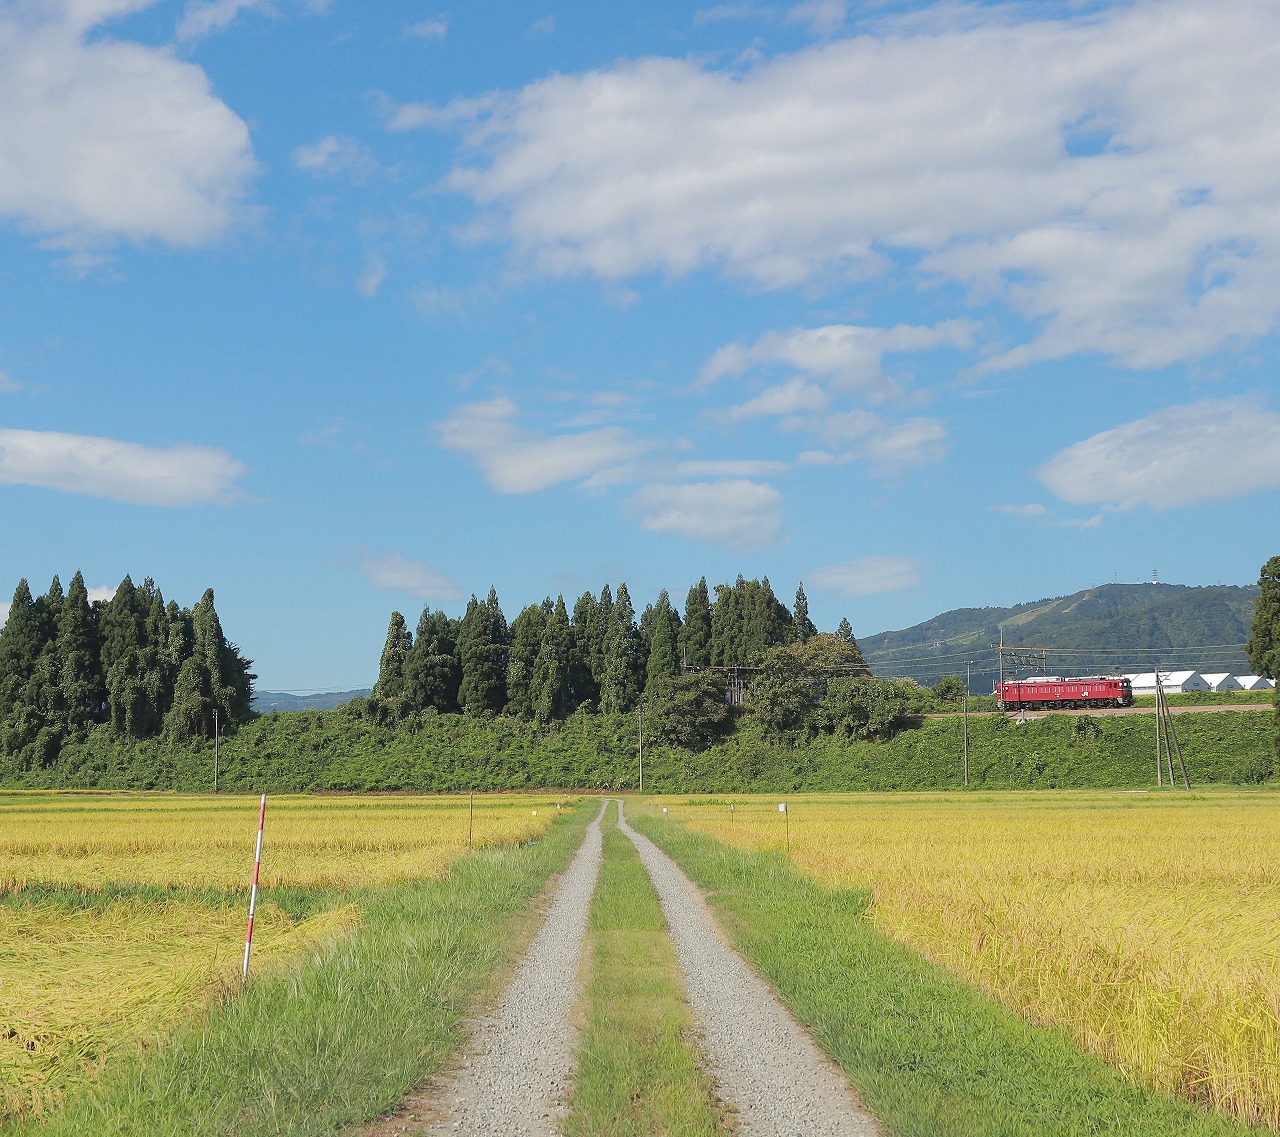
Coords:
522,1055
767,1068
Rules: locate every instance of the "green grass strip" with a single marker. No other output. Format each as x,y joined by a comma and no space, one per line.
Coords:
343,1037
639,1072
929,1055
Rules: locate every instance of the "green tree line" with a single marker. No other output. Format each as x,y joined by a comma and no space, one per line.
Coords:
145,667
550,662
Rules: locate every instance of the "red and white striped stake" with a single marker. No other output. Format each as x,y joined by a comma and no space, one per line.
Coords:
253,893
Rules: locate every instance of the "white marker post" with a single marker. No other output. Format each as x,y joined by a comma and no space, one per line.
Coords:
253,892
782,809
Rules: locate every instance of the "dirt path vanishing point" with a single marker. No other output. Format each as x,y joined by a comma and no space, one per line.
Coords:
522,1055
765,1066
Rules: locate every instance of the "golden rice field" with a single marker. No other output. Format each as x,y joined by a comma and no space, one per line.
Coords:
1145,926
79,980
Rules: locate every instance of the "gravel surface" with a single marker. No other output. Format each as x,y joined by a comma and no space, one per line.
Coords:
522,1055
766,1067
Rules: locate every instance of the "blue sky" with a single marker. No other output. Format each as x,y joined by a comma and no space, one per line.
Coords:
341,308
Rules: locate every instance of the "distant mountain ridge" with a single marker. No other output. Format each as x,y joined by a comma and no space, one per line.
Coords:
264,702
1106,629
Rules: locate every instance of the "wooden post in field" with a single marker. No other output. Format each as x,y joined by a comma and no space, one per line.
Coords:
782,809
253,892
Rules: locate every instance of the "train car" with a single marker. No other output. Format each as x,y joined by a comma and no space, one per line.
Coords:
1053,692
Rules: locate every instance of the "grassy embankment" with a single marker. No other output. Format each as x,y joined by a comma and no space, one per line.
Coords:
306,751
930,1055
339,1039
639,1072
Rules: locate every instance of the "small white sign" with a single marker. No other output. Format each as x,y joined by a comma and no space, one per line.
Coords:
664,809
782,807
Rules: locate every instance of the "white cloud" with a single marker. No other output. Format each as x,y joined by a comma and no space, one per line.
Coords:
1212,450
867,576
4,612
122,471
207,17
825,17
795,396
745,11
104,139
1109,175
436,28
1034,509
735,513
514,459
100,592
543,27
370,280
847,356
864,436
427,116
730,468
394,572
334,155
8,384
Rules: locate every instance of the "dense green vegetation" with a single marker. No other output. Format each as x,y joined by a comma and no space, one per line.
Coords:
143,666
344,750
639,1070
549,663
343,1038
930,1056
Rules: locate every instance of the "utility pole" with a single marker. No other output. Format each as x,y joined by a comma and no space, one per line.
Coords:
967,664
640,727
215,750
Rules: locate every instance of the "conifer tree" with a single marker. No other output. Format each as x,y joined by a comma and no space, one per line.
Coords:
588,653
664,661
21,643
389,693
526,639
801,626
620,685
432,672
695,635
552,695
845,629
482,648
80,676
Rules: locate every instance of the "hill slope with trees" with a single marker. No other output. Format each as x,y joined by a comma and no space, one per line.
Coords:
1112,627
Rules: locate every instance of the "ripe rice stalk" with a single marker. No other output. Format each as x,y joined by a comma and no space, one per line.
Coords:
1144,927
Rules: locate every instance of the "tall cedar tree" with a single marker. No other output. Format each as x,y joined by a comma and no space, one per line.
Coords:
551,689
695,635
801,626
84,694
432,671
664,658
587,646
389,695
526,639
482,648
845,630
620,684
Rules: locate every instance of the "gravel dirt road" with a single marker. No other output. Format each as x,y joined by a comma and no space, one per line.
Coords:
766,1067
516,1073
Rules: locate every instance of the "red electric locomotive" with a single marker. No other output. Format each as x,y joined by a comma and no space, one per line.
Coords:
1052,692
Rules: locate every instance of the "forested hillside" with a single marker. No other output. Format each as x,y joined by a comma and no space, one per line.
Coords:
139,665
1113,627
